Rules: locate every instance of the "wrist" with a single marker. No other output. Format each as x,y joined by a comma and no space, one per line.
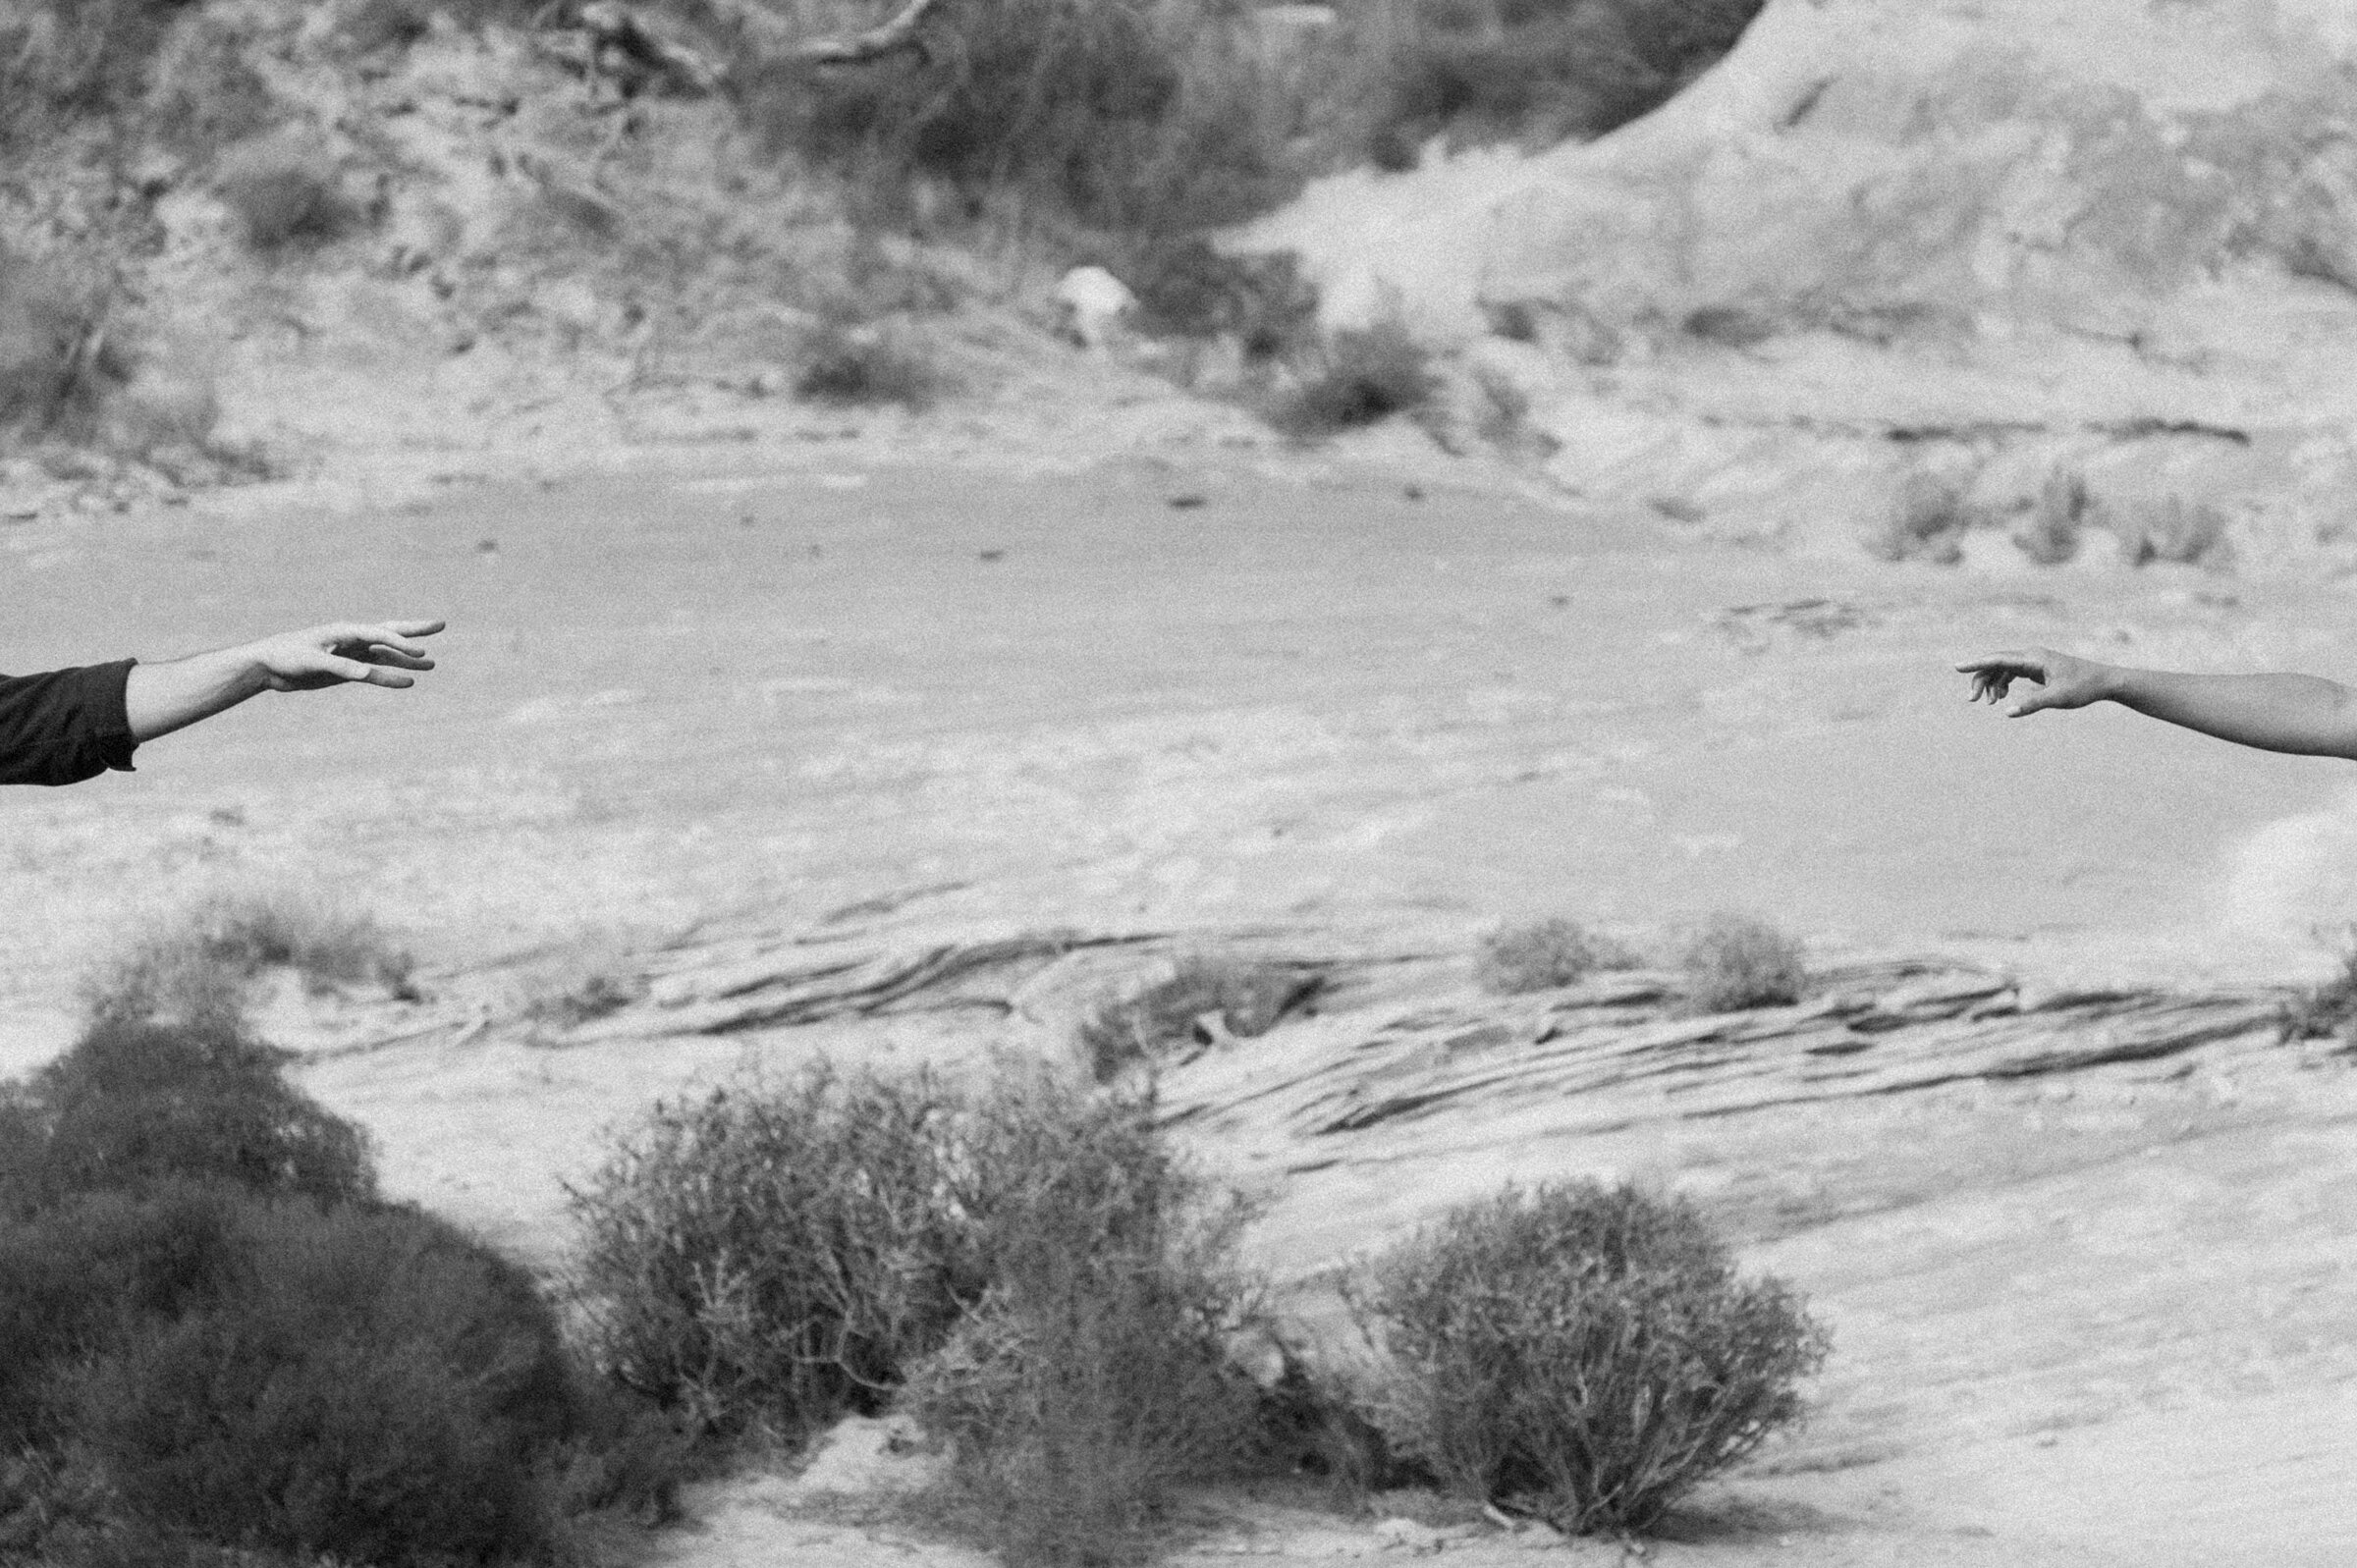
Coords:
2114,682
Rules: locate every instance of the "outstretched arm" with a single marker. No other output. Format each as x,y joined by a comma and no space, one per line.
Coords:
2305,714
159,698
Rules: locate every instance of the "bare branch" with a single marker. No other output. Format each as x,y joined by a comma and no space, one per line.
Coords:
874,44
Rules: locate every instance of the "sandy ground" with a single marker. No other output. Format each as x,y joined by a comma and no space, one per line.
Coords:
2111,1327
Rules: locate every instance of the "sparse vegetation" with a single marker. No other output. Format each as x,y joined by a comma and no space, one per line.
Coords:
1025,1262
1090,1378
2327,1011
1735,961
1186,288
2175,530
284,202
197,968
2051,535
1361,378
862,366
1927,521
1477,71
62,351
1179,1015
1543,954
1580,1354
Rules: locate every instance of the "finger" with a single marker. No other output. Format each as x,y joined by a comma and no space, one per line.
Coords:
388,635
338,668
378,676
394,656
416,628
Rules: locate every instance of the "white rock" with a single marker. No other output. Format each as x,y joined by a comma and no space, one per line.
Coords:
1095,306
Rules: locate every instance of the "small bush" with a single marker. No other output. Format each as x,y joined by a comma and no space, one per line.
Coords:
1187,289
135,1106
2175,530
1735,962
773,1256
1366,377
2328,1010
1243,998
1581,1354
198,967
1092,1379
284,202
1545,955
1927,523
2050,536
63,351
862,366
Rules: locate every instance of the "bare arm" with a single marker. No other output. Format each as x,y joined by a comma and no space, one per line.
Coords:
2304,714
159,698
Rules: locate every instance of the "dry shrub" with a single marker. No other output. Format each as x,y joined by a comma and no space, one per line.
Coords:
1543,954
1026,1256
1364,377
1173,1016
1581,1354
1092,1379
856,366
1127,114
63,353
2327,1011
772,1257
198,966
285,199
2051,535
2174,530
1926,522
1187,289
1735,962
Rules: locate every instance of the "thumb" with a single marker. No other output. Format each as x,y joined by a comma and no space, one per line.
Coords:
2036,700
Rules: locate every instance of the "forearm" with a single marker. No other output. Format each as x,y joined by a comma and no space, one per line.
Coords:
2304,714
160,698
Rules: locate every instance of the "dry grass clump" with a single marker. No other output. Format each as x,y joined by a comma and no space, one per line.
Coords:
1543,954
1206,999
2175,530
862,366
199,967
1580,1354
2062,512
285,200
222,1346
1361,378
2327,1011
63,354
1735,962
1187,289
1927,521
1090,1380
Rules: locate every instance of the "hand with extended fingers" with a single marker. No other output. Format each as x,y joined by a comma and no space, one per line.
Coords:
2304,714
346,651
2063,681
159,698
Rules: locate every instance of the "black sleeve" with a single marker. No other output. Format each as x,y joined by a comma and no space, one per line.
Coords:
66,725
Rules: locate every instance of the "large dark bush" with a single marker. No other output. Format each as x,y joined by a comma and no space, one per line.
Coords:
371,1384
218,1341
133,1106
1583,1354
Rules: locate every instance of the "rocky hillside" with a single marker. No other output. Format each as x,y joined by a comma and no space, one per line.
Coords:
1950,279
